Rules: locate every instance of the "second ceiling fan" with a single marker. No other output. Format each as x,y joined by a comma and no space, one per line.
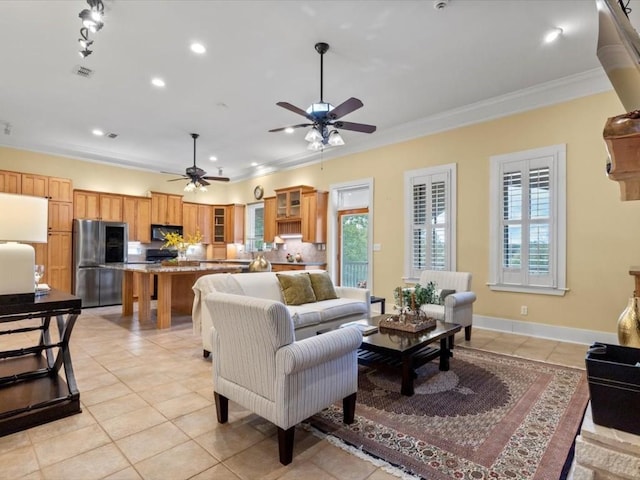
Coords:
197,177
324,117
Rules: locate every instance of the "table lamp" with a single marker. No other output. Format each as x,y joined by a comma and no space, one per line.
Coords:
22,219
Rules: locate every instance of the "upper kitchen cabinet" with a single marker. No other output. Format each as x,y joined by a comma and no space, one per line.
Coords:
97,206
288,202
314,217
10,182
136,213
60,189
269,219
35,185
60,216
196,217
166,209
235,229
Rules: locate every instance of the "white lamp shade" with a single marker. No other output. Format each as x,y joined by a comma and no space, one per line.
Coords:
23,218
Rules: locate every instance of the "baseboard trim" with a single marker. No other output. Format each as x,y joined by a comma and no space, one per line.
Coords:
552,332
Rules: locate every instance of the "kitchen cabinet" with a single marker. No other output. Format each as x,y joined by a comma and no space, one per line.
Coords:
314,217
269,219
136,213
35,185
58,266
288,202
60,189
196,217
60,216
235,224
10,182
92,205
166,209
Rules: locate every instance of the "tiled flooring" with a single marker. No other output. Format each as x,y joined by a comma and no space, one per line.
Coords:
148,412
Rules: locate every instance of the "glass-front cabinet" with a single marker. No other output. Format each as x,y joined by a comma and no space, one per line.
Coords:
219,216
288,202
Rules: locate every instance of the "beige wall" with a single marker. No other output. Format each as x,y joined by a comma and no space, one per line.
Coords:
602,231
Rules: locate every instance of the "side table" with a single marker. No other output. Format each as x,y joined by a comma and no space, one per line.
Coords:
32,388
380,300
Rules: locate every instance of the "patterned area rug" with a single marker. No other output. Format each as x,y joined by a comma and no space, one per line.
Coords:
490,416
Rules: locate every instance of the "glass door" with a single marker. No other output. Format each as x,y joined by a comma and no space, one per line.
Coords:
353,253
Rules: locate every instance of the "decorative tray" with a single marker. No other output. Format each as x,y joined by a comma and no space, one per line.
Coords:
393,322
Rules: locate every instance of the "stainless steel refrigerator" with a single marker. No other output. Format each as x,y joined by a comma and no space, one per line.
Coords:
96,244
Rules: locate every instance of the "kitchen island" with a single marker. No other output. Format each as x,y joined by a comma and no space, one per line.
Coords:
174,287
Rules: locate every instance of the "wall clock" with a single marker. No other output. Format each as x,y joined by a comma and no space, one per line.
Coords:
258,192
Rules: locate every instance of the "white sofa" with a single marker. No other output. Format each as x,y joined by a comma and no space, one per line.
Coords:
351,304
458,306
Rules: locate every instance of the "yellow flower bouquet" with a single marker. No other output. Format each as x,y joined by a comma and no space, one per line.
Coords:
181,244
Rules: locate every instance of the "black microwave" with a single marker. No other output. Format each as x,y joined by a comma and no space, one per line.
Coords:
159,231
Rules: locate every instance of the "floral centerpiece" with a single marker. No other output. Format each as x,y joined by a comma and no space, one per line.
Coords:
181,244
410,316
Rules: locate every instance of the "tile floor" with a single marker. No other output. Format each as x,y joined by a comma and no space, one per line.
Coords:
148,412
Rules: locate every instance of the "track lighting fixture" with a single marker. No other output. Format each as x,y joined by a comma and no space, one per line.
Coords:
92,21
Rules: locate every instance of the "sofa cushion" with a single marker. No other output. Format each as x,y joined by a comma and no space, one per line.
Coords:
322,286
303,315
296,289
442,294
339,308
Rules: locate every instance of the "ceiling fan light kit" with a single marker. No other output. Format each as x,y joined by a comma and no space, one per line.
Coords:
323,116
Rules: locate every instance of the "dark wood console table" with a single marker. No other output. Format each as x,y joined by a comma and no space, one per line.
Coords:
32,388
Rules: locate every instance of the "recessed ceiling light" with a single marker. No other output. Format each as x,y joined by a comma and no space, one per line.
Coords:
97,132
198,48
158,82
553,35
213,158
289,130
254,164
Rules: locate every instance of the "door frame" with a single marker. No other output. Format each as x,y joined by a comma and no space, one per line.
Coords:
332,237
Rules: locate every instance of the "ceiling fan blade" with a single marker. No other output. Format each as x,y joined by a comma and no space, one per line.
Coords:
217,179
345,107
356,127
300,125
176,179
203,182
295,109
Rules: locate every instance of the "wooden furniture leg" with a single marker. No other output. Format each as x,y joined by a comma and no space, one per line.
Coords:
164,301
144,297
127,294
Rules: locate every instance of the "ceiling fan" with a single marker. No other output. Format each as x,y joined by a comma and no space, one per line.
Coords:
198,177
324,117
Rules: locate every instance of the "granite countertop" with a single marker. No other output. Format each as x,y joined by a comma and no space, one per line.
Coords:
248,261
158,268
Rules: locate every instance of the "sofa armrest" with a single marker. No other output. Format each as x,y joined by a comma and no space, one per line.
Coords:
459,298
362,294
317,350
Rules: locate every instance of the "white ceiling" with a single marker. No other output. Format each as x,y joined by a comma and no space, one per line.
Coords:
412,66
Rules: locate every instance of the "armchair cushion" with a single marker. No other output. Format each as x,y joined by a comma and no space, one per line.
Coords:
296,289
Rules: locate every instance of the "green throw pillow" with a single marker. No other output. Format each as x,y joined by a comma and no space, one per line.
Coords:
296,289
322,286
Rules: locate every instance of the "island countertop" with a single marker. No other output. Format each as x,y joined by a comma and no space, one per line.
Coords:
158,268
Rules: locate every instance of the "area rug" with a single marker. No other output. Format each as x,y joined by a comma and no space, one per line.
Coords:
490,416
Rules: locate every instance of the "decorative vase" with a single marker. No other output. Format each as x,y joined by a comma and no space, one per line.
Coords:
260,264
629,325
182,254
298,257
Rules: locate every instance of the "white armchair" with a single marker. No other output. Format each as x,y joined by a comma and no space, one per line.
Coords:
458,306
257,364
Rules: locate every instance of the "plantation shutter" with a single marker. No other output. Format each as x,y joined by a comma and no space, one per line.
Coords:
526,257
429,228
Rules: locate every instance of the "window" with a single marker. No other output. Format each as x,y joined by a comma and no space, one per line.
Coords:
430,228
255,227
528,221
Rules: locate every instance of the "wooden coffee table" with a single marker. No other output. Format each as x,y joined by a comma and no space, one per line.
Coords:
407,351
